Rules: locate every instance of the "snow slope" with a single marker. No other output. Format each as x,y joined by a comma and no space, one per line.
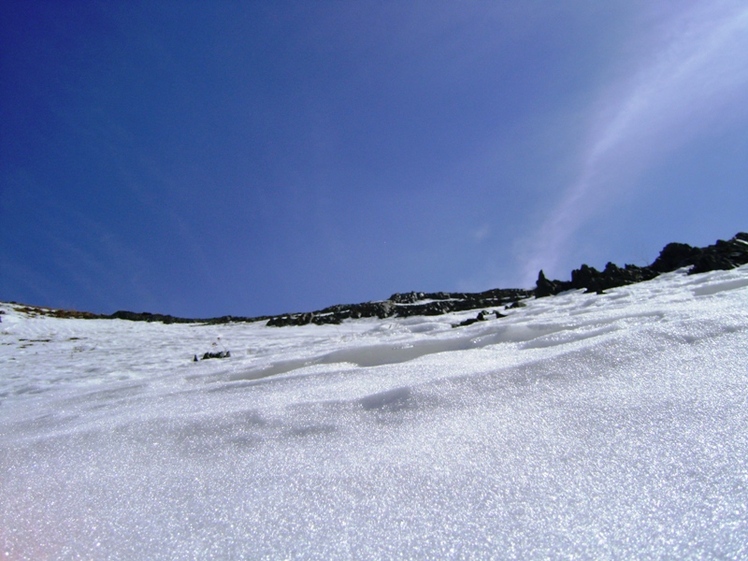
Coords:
581,426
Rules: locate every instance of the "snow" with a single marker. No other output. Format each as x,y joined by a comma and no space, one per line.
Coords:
580,426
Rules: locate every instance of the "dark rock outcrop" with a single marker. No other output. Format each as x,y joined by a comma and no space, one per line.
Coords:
216,354
722,255
406,304
674,256
545,287
482,316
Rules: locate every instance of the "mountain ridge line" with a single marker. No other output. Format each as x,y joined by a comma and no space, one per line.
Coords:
722,255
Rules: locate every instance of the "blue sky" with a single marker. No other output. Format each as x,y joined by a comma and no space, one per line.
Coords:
249,158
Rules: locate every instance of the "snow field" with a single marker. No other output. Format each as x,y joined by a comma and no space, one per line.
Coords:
581,426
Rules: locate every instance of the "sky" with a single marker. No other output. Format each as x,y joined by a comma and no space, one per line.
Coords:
253,158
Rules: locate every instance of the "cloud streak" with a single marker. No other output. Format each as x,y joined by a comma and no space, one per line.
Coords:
692,78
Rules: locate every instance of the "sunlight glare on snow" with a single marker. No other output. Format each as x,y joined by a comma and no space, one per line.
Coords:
586,425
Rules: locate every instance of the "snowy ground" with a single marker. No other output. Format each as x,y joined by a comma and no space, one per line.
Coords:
581,426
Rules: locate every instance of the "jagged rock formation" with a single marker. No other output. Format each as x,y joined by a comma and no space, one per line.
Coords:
407,304
720,256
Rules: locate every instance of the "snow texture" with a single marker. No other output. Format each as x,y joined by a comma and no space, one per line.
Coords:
581,426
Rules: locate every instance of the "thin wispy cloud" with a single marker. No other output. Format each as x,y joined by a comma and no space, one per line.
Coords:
690,81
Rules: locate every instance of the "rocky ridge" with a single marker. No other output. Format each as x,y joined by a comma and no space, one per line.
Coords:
408,304
721,255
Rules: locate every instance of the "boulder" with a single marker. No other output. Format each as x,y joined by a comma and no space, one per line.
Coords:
674,256
722,255
217,354
482,316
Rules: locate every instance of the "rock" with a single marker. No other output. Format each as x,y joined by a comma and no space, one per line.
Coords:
482,316
329,319
592,280
149,317
217,354
585,277
545,287
406,297
674,256
722,255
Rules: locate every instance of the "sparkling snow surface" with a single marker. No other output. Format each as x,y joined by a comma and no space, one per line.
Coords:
581,426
